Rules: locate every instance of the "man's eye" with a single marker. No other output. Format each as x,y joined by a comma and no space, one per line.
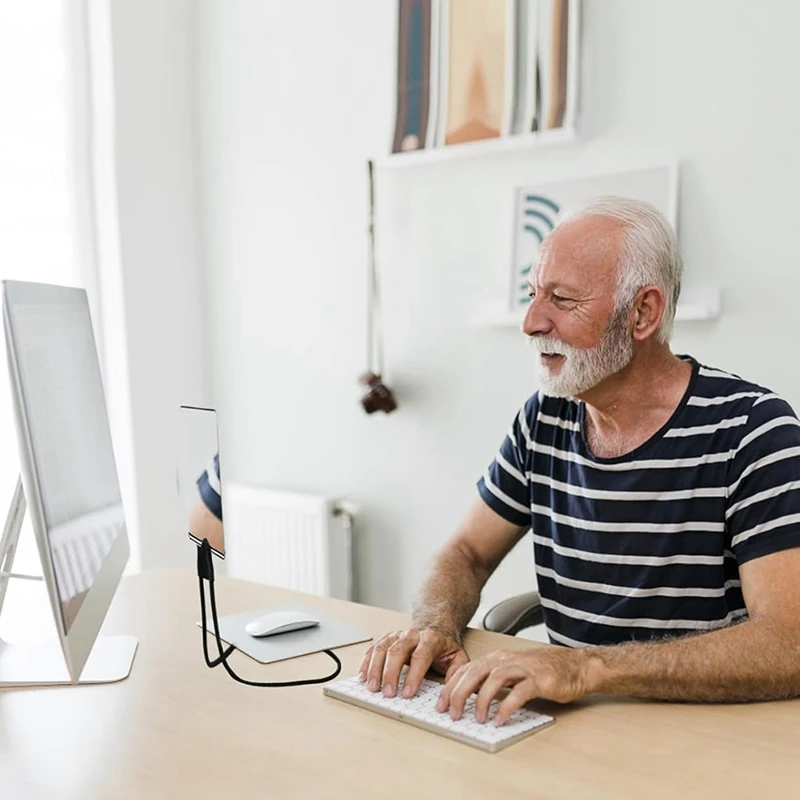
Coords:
559,299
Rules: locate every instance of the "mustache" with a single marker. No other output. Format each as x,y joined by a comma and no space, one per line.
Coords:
549,344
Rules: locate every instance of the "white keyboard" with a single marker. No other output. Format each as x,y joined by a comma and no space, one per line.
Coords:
421,711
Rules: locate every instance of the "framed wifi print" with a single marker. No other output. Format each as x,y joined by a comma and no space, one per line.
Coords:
538,206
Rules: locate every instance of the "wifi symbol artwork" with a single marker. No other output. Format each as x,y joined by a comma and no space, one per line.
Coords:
540,214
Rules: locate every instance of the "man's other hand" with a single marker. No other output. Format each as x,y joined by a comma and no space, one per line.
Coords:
420,648
552,673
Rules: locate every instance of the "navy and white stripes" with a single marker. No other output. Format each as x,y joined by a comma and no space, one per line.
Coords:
649,544
208,484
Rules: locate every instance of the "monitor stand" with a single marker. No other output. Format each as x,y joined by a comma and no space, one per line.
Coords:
44,665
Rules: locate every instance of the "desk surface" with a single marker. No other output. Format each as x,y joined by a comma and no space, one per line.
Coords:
177,729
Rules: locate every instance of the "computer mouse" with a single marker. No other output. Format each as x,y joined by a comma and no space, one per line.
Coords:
280,622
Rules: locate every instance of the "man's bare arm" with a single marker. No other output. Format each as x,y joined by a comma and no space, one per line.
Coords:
204,525
756,660
451,592
445,604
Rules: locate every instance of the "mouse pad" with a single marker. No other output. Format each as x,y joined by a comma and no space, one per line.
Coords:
328,635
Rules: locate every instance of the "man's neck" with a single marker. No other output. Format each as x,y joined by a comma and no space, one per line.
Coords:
624,411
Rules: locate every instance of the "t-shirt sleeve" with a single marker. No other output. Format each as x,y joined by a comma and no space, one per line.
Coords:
763,511
209,486
504,486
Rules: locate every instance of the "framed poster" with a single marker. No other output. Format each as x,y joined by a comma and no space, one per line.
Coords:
524,108
476,69
413,75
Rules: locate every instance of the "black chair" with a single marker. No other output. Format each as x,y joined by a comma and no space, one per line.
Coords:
512,615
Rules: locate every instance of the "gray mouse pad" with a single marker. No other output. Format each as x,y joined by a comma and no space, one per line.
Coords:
328,635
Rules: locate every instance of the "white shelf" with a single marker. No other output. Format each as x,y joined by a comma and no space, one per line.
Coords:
694,305
698,304
505,144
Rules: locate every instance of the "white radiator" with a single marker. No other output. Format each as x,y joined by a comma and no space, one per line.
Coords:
290,540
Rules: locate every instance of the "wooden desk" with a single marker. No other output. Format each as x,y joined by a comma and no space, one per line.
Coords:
176,729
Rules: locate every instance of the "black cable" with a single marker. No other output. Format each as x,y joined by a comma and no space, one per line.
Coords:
205,570
236,677
217,661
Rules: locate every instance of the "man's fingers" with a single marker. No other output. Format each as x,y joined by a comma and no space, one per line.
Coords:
383,662
443,703
421,660
514,700
362,670
468,682
396,657
377,662
460,660
497,680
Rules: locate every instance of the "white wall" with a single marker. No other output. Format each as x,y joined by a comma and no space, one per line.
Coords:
292,99
155,301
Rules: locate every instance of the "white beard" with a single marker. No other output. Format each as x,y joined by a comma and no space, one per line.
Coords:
582,369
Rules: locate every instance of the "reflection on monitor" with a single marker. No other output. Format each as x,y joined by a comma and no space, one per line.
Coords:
79,547
199,477
68,470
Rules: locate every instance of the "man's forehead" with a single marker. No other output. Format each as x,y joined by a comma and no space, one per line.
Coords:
547,274
578,252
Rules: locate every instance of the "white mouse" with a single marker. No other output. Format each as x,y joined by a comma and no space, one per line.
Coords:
280,622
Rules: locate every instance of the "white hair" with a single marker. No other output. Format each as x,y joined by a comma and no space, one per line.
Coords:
649,254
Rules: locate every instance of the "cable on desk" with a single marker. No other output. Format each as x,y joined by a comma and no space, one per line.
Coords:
205,571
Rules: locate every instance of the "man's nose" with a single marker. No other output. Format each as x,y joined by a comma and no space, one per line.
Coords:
536,320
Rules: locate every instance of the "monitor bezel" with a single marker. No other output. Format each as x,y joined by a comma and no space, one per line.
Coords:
77,642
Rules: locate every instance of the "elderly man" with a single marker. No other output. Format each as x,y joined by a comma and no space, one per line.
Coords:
663,496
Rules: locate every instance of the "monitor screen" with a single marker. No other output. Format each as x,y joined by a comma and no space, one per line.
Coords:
63,421
199,477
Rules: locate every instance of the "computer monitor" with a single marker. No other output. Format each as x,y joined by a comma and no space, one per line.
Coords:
70,482
200,495
200,487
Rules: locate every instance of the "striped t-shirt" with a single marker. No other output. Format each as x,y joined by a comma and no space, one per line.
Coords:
210,488
649,544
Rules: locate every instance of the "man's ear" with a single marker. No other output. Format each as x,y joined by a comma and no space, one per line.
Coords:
648,309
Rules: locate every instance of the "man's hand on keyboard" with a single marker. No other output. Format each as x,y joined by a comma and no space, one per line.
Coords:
421,649
553,673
